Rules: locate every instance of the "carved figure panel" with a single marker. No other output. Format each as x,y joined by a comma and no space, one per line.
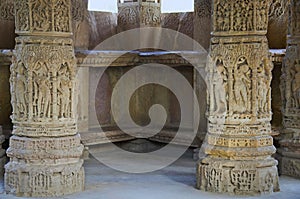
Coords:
241,78
242,86
43,16
240,17
133,14
47,81
128,16
150,15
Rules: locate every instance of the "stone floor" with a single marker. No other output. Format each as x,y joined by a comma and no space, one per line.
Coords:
175,182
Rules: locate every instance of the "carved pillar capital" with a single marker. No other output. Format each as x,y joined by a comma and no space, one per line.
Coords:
135,14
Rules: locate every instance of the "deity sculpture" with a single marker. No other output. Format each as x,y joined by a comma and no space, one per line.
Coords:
64,85
242,87
20,86
220,88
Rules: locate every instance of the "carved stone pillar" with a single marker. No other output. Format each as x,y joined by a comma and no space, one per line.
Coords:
239,145
45,147
290,87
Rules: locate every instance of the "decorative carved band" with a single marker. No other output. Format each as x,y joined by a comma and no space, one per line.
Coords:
139,13
239,17
7,10
43,80
241,80
242,142
34,16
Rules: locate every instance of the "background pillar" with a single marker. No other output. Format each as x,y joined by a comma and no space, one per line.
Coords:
3,158
289,151
45,147
239,145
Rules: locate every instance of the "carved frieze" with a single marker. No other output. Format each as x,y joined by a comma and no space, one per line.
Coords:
240,17
134,14
34,16
43,84
7,10
240,78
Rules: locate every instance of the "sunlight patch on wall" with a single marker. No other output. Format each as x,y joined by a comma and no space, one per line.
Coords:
103,5
167,6
176,6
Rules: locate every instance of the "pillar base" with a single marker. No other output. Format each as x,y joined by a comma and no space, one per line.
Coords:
289,163
255,177
43,180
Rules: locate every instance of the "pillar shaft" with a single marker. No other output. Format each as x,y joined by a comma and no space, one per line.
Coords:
45,147
2,152
239,144
290,88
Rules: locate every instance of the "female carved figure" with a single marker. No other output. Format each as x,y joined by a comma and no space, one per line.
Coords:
21,89
262,93
64,85
220,89
241,87
44,96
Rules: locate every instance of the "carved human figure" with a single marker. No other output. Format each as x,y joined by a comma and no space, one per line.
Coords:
262,88
249,18
64,85
60,21
241,87
226,17
238,17
296,85
220,88
41,16
44,93
220,19
21,89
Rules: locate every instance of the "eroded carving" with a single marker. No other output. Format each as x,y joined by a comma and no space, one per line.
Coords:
7,10
133,14
43,16
240,16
